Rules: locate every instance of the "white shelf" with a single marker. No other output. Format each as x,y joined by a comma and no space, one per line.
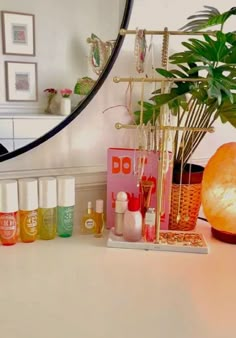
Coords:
31,116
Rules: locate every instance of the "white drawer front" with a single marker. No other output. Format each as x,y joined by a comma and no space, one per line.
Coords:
33,128
6,128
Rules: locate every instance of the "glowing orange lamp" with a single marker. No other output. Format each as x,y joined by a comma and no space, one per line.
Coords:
219,192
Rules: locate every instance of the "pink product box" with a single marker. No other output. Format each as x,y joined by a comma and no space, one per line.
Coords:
121,167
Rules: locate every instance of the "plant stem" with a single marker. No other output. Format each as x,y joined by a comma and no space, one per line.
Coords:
205,123
195,122
180,116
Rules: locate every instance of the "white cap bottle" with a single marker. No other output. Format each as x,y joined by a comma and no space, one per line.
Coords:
8,211
8,196
47,207
28,205
65,205
28,194
132,231
121,206
47,192
65,191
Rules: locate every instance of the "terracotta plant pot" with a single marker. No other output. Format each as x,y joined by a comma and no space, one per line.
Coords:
192,173
185,197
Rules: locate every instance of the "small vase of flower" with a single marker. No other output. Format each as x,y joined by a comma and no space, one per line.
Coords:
65,104
51,93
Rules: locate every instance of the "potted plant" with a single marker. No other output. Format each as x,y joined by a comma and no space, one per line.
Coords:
84,85
65,103
206,92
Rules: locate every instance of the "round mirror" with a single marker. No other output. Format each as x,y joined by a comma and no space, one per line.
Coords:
54,55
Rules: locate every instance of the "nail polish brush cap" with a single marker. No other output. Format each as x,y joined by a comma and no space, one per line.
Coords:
8,196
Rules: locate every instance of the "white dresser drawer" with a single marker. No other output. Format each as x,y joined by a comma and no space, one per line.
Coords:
33,128
6,128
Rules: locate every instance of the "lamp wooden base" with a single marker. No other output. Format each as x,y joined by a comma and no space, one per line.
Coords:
224,236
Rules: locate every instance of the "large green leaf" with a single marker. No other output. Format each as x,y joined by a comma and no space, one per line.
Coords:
207,18
230,57
210,49
187,57
150,113
227,113
231,38
164,72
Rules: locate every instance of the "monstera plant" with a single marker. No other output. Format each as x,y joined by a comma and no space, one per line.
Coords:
211,61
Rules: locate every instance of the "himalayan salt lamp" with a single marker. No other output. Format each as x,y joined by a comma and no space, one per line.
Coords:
219,192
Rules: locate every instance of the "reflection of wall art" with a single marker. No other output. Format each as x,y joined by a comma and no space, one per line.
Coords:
21,81
18,33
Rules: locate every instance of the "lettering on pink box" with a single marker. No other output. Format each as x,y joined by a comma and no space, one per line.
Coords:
121,167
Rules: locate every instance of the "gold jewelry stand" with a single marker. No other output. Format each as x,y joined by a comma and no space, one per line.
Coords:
162,126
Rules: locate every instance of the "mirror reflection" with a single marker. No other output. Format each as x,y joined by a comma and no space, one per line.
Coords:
72,41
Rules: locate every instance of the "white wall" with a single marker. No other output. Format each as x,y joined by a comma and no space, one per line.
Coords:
61,29
85,141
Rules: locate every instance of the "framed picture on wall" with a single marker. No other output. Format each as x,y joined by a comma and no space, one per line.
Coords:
18,33
21,81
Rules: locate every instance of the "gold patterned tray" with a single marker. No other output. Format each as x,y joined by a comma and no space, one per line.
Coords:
178,241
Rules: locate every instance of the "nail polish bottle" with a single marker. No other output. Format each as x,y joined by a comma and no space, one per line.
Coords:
28,209
99,218
65,205
47,207
9,216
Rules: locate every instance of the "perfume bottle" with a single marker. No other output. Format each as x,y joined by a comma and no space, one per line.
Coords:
9,212
149,225
47,207
28,213
120,208
99,218
65,205
88,221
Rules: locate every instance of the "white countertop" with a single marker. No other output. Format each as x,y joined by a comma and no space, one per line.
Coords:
78,288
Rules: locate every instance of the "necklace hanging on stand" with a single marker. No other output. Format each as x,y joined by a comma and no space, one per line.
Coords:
182,145
142,141
140,47
98,54
186,217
